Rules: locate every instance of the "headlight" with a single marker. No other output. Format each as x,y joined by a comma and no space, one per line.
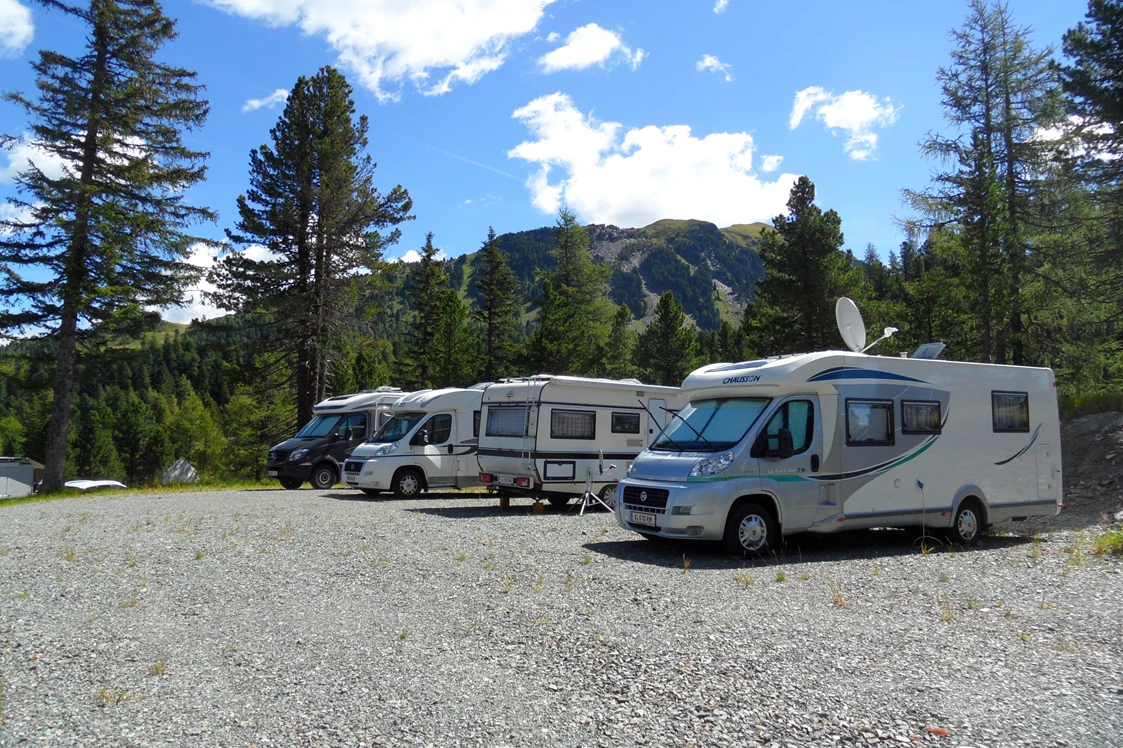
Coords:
711,465
386,449
298,455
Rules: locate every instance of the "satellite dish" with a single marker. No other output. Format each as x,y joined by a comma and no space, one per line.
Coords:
850,324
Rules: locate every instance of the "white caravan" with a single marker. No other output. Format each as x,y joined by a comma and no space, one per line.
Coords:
547,436
430,442
831,441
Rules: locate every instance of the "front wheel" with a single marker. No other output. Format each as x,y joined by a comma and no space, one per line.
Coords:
291,483
407,484
323,477
968,525
750,531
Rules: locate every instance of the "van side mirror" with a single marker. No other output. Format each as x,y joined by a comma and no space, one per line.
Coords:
349,434
420,438
785,446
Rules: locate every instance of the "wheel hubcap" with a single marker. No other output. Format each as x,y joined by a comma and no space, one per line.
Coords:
408,485
753,532
610,496
968,525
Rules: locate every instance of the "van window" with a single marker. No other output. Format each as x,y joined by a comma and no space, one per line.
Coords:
506,421
439,427
625,423
869,423
796,416
920,417
573,424
475,424
1010,411
318,427
355,421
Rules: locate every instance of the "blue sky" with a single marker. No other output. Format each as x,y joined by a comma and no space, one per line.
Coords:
495,112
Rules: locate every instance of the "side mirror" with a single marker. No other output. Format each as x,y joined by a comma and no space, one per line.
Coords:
349,434
420,438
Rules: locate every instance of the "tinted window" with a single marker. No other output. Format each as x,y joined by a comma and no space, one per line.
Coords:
869,423
317,427
797,416
357,422
475,423
920,417
573,424
506,421
625,423
1010,411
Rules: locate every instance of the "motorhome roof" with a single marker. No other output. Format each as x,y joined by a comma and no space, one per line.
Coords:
449,397
543,379
365,398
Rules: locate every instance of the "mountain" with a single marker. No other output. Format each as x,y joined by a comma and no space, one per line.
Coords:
711,270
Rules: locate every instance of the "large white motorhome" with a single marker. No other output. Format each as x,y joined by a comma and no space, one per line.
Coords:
832,441
549,436
429,442
339,424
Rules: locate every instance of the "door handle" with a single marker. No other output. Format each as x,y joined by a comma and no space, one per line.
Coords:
814,463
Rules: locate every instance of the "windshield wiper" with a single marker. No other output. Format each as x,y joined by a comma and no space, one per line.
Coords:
652,416
696,431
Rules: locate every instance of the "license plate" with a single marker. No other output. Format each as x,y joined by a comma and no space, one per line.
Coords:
506,480
271,473
640,518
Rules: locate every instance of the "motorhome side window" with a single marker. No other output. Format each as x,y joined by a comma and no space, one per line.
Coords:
506,421
798,417
920,417
573,424
869,423
1010,411
625,423
440,428
475,424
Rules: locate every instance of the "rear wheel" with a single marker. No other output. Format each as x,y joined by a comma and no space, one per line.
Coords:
407,484
370,491
750,531
323,477
608,496
291,483
968,525
558,501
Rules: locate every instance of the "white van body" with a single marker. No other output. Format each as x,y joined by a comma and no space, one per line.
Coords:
428,443
876,441
545,436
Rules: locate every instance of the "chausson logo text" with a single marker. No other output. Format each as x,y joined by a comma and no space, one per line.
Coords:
741,380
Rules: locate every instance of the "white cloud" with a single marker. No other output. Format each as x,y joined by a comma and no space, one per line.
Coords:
713,64
15,213
196,306
430,43
648,174
770,163
24,152
587,46
552,37
16,28
1069,137
855,112
280,96
412,255
720,6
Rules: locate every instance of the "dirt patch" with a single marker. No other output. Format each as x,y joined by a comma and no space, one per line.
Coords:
1092,455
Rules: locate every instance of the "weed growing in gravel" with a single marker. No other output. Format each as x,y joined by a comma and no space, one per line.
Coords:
109,697
21,595
200,555
944,579
539,585
542,621
946,609
836,588
926,548
876,569
507,585
971,604
70,555
382,562
461,557
744,579
158,668
2,687
489,562
144,579
66,529
1023,636
403,635
804,576
781,576
131,602
1108,544
1008,614
1035,548
685,563
1065,647
587,559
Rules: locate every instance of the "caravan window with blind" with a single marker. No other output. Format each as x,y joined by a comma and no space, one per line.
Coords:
506,421
1010,411
869,423
573,424
920,417
625,423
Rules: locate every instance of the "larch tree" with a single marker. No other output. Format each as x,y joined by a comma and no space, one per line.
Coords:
100,241
312,204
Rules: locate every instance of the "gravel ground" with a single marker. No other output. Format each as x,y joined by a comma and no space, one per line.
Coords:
326,618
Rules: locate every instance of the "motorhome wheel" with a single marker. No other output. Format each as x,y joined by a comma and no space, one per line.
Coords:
750,531
968,523
407,484
291,483
323,477
608,495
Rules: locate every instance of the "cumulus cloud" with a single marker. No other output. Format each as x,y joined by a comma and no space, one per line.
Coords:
432,44
412,255
16,28
770,163
720,6
855,113
587,46
24,152
713,64
195,305
636,177
280,96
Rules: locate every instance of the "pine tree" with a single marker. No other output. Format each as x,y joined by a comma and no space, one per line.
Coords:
105,242
313,204
497,309
621,346
665,350
455,345
428,282
95,455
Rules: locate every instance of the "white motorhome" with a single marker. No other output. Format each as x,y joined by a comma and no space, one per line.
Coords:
832,441
339,424
548,436
429,442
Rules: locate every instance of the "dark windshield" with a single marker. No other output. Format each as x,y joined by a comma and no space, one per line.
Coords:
318,427
396,428
720,424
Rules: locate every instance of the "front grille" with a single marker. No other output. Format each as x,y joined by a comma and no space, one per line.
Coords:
277,456
643,497
352,467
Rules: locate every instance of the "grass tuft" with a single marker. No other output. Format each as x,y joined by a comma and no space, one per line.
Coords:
158,668
1109,543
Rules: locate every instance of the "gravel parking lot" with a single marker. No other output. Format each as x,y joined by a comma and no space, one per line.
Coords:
278,617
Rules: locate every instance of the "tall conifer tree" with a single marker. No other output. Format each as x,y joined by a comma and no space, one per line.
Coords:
497,309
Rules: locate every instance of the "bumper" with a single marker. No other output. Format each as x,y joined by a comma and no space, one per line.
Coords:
372,473
691,510
289,471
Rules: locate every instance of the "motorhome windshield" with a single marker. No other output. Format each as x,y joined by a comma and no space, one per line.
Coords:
711,425
318,427
396,428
